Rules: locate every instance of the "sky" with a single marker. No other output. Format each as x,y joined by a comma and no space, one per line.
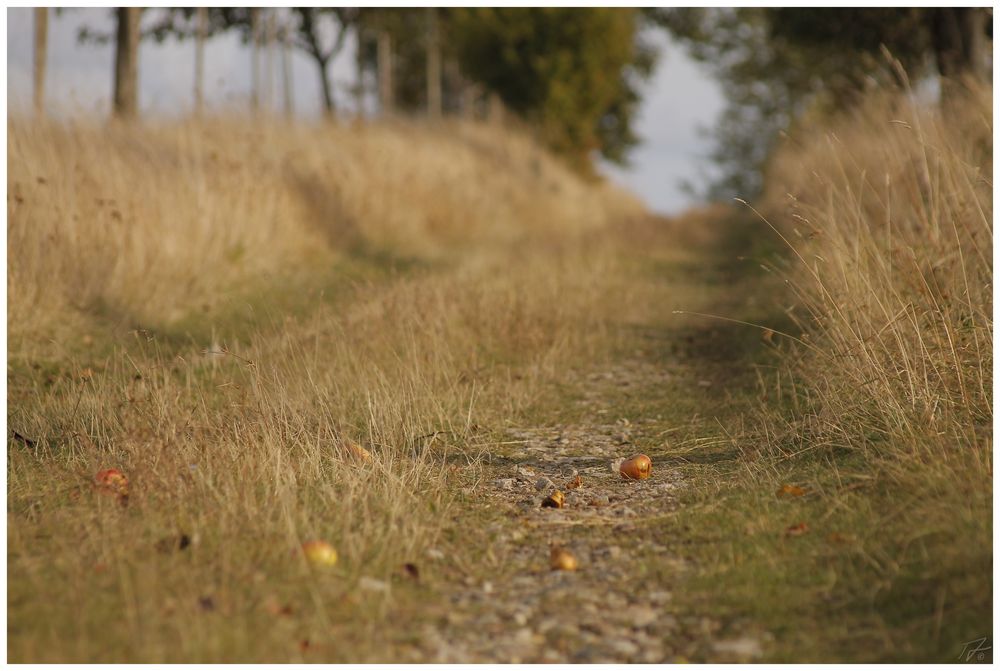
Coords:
681,99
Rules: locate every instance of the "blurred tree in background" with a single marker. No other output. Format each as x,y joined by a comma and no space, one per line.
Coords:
776,64
573,73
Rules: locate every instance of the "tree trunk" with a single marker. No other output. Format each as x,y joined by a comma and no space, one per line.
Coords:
433,67
385,73
254,59
41,51
324,79
959,35
495,109
126,104
286,73
269,29
201,30
359,71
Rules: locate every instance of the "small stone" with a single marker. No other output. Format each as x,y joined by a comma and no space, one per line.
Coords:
659,596
624,647
520,618
505,483
372,585
641,616
435,554
543,484
739,648
487,587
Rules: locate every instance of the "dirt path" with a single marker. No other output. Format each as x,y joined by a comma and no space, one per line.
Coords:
662,395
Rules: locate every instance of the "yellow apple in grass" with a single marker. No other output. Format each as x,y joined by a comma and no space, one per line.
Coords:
320,553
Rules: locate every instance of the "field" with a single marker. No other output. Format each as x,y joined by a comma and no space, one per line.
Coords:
399,338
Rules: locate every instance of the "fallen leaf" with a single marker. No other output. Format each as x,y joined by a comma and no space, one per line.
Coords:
575,483
355,451
561,559
28,442
412,571
554,500
790,491
277,609
173,543
797,529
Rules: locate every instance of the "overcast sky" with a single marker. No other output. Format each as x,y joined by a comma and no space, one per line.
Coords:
680,97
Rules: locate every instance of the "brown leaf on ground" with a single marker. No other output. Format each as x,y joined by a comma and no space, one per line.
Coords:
27,442
575,483
790,491
797,529
354,451
278,609
173,543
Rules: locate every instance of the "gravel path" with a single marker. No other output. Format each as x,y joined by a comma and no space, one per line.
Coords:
618,606
502,601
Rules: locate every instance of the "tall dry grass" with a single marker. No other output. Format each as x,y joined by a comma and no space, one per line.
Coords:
238,444
888,216
151,220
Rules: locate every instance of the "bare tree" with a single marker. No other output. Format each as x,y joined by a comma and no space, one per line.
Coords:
385,72
126,102
322,51
201,31
433,65
269,39
41,53
286,70
255,59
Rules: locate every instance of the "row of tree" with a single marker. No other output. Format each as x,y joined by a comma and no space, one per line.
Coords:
573,74
778,64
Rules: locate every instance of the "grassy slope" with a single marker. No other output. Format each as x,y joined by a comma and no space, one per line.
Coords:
419,318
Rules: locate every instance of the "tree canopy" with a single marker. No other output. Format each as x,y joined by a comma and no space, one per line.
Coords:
572,72
774,63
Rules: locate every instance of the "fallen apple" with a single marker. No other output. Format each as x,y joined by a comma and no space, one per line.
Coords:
112,481
554,500
320,552
637,468
561,559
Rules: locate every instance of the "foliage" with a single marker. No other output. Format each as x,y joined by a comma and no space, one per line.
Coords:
572,72
776,64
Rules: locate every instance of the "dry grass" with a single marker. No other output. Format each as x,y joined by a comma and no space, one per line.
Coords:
885,409
891,221
157,227
154,220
